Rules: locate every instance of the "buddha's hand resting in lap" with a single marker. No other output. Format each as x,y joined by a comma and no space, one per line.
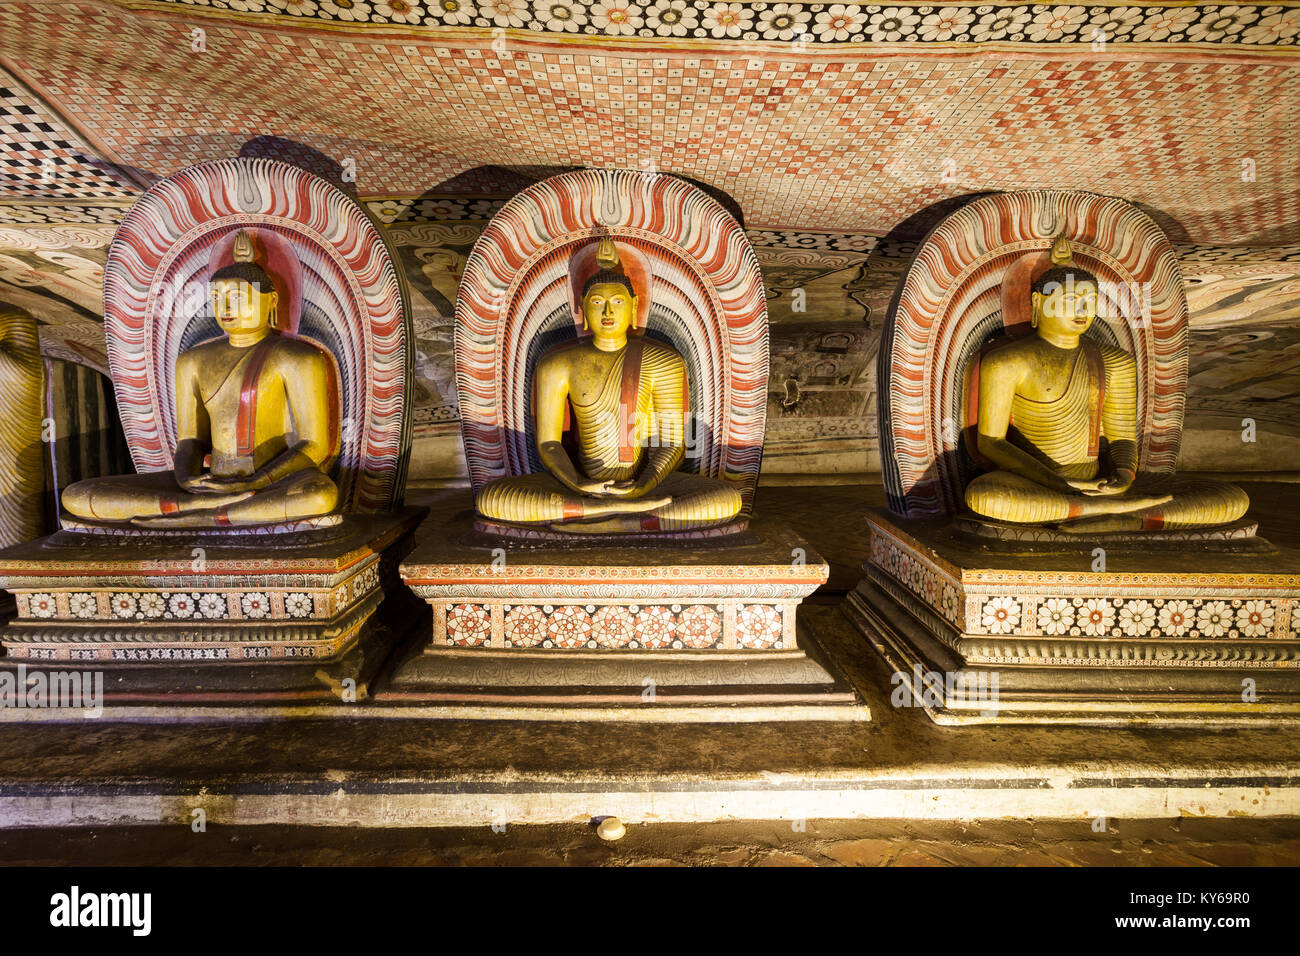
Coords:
628,488
1113,485
209,484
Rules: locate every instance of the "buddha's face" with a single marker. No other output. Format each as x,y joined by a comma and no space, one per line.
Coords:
1068,309
610,310
240,308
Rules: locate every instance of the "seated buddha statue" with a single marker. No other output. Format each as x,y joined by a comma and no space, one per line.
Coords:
1057,419
627,398
256,424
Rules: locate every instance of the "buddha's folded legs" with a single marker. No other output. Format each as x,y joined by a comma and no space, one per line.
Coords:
156,501
124,497
1148,505
696,502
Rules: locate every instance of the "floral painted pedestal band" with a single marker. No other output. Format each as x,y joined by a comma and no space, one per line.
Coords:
650,626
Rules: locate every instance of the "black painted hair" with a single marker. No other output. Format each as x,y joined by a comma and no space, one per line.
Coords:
608,275
1061,276
249,272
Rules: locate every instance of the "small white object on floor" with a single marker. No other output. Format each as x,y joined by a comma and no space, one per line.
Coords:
611,828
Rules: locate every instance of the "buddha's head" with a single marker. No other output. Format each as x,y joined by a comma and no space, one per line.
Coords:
1064,301
243,296
609,305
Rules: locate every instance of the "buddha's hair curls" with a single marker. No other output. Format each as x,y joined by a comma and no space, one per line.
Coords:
249,272
608,275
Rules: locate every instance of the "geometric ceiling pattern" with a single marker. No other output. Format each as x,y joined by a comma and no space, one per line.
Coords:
39,156
840,118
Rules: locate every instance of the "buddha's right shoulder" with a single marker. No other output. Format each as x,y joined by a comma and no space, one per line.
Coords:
198,354
1002,357
558,355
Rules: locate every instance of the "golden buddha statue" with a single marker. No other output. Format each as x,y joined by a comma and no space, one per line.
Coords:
256,424
1057,419
627,398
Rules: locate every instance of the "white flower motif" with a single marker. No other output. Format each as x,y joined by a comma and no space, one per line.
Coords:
617,17
243,6
558,15
837,22
297,8
123,604
1220,23
855,243
182,605
946,24
212,605
1112,23
1136,618
949,602
352,10
1001,615
297,604
1214,618
1096,616
41,605
783,21
399,11
1162,22
151,604
1054,22
505,13
891,23
1055,616
456,12
1255,618
1001,23
672,18
728,19
255,604
82,604
1176,617
1274,28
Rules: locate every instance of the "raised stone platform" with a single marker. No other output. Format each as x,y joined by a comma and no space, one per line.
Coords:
1091,630
619,624
381,765
209,617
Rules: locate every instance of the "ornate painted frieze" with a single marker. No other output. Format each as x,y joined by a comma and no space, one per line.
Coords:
804,24
729,625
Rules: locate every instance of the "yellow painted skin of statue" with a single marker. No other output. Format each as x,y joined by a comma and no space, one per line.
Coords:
598,494
1045,471
283,480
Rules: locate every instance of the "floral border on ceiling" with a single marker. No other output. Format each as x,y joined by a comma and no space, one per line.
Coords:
811,23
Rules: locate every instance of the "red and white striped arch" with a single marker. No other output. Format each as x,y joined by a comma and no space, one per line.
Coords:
972,276
327,259
703,274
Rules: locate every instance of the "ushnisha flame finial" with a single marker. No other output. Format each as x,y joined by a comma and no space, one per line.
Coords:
244,250
607,255
1061,253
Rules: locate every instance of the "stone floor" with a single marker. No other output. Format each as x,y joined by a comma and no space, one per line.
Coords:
1187,842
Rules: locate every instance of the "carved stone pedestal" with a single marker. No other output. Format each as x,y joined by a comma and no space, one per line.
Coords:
214,616
1093,632
702,631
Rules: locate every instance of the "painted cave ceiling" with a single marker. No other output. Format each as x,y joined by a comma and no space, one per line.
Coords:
811,116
